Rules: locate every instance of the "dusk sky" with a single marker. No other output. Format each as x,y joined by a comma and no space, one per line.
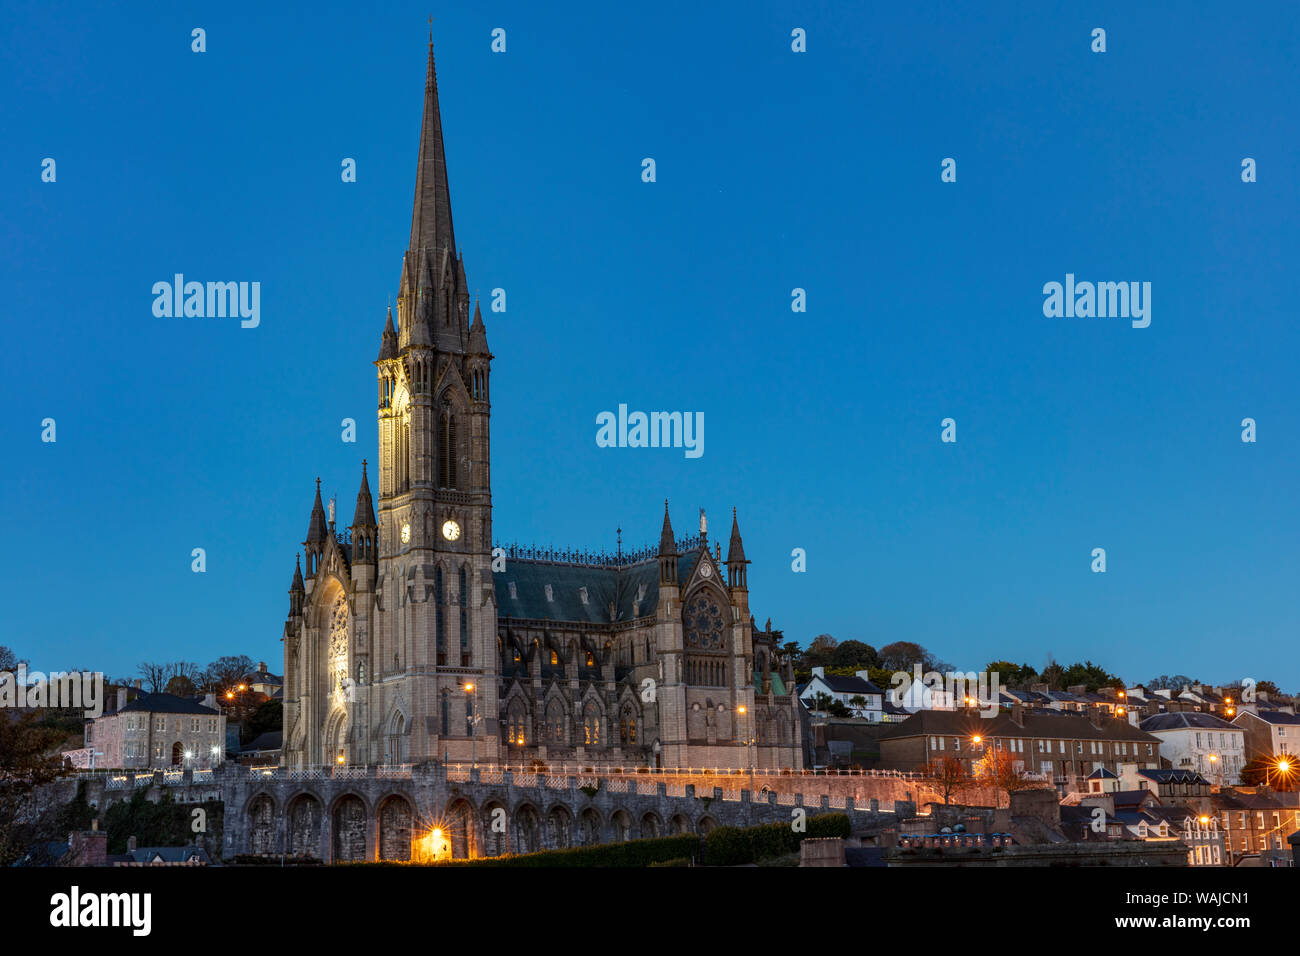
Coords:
775,170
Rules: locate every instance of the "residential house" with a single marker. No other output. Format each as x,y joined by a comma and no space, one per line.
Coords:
856,692
158,731
1191,740
1061,748
1256,823
1270,733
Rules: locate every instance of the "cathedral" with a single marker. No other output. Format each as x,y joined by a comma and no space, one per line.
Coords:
410,637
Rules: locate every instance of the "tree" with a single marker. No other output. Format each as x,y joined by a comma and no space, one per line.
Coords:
1090,675
8,660
157,677
1012,675
998,769
268,717
181,686
821,702
792,652
225,673
1280,773
946,776
819,651
26,764
854,654
901,655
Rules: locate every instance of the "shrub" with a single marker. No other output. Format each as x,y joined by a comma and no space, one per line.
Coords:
733,846
634,853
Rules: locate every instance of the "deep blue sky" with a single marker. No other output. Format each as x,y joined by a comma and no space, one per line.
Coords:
775,170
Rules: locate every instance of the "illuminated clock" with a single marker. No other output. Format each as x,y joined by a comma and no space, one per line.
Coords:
406,532
450,530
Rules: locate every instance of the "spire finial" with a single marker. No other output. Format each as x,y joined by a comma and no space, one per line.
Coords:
431,31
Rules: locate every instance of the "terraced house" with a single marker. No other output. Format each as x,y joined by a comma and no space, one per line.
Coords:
1059,748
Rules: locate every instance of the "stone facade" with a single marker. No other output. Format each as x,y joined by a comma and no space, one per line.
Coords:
157,731
410,638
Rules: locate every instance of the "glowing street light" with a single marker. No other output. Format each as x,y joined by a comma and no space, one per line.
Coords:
749,745
474,718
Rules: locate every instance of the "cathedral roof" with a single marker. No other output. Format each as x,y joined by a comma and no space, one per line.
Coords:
622,585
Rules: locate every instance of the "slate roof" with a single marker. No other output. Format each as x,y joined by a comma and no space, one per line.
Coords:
1278,717
1183,719
1174,775
168,854
271,740
262,677
167,704
1132,798
1101,773
1036,724
603,584
842,684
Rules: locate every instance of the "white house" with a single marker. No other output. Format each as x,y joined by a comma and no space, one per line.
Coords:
1192,740
857,693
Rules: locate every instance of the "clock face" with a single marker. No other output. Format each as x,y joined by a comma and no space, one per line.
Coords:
450,530
406,533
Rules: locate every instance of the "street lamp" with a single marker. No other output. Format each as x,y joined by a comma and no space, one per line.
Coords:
749,744
474,718
1217,768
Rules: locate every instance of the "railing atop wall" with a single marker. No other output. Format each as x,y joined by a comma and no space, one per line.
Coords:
624,780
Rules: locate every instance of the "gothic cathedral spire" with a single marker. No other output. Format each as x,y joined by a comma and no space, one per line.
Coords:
431,217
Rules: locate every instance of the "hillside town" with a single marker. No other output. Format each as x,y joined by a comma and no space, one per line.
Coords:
1171,772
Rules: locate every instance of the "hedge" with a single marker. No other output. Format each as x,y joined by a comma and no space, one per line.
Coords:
635,853
733,846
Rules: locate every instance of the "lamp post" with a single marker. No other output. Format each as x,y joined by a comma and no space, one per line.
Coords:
749,744
474,719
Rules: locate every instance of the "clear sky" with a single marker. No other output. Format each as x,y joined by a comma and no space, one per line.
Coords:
775,170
